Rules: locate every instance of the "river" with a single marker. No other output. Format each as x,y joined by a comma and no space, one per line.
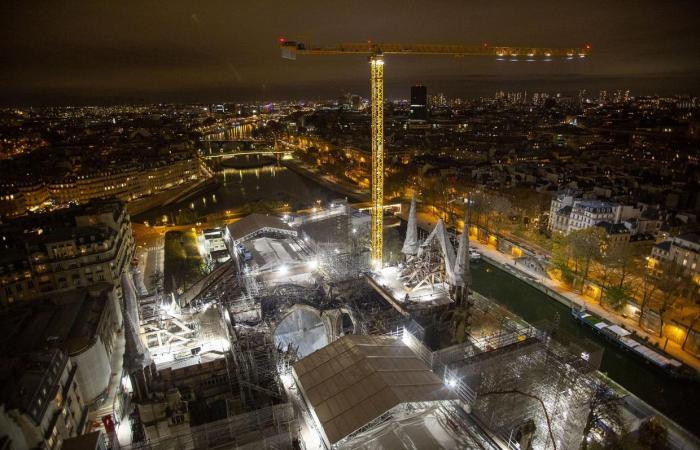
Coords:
236,189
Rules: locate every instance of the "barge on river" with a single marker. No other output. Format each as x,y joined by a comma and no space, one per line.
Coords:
632,343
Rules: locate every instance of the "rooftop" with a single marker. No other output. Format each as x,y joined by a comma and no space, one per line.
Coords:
593,205
88,441
665,246
356,379
30,376
613,228
693,237
254,223
66,320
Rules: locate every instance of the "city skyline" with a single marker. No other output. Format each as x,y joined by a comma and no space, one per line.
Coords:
74,53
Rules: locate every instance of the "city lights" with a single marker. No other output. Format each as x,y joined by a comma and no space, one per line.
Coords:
205,245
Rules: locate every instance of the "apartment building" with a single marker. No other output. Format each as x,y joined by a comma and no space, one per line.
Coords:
125,182
82,323
683,250
568,213
41,403
66,249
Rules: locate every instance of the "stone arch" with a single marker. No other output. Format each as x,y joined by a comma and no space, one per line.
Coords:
347,322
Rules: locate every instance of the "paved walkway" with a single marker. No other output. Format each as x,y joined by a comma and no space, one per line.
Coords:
426,221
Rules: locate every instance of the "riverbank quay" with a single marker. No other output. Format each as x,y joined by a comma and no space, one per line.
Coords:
559,292
145,204
327,181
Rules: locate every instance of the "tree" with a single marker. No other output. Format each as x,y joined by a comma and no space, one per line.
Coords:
646,287
436,194
530,203
585,246
561,255
691,327
604,416
670,283
501,209
620,260
616,296
653,435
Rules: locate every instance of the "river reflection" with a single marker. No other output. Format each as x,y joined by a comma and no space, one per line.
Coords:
236,132
256,188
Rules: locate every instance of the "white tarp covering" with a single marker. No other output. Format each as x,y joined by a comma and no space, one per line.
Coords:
426,430
410,244
304,329
94,370
629,342
355,379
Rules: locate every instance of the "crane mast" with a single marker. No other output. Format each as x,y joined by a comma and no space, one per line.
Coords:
376,52
376,64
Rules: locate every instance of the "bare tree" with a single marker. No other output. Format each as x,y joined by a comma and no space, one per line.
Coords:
585,248
646,288
604,416
670,282
531,396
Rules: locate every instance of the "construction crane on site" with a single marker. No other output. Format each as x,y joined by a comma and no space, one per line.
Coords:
376,52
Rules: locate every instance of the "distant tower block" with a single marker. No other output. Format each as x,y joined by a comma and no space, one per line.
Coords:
419,103
410,245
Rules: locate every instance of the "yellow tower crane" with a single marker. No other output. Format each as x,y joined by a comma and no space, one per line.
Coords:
376,52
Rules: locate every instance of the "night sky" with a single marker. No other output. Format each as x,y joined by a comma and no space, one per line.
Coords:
54,52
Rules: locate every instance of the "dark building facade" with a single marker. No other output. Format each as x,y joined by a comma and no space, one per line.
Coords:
419,103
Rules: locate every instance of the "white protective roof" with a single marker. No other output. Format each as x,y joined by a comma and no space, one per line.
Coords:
356,379
253,224
653,356
618,330
629,342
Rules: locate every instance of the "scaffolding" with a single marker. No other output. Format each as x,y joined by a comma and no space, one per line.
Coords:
273,427
253,372
530,389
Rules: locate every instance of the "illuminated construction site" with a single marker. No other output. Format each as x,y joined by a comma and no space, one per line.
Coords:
295,343
303,338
